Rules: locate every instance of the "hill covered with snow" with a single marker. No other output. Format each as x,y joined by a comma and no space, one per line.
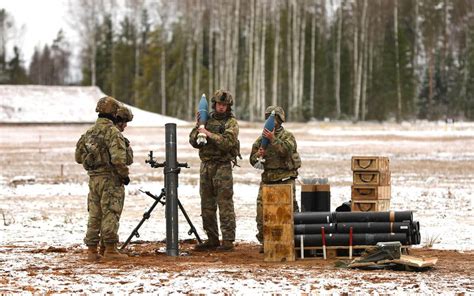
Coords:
63,104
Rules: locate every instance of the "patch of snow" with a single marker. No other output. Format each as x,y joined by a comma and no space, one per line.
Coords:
63,104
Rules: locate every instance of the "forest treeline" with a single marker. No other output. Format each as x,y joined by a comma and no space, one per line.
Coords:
348,59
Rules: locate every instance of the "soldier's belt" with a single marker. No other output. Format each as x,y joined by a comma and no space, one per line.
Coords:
279,181
216,161
101,174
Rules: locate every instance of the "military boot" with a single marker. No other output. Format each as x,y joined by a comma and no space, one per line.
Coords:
92,254
226,246
101,249
210,244
112,253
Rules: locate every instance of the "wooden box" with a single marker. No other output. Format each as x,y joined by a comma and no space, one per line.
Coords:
382,205
370,163
371,178
278,228
370,192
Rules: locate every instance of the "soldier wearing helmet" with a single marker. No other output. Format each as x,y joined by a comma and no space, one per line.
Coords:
222,97
123,116
281,161
216,181
102,152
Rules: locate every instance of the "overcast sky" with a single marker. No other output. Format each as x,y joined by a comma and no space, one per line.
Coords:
37,23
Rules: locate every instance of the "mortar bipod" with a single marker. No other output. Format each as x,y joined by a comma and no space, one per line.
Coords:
147,215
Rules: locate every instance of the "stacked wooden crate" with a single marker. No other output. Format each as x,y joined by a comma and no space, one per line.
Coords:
371,189
278,225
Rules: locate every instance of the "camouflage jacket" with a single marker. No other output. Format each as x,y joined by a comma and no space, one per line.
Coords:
129,152
102,150
281,157
223,141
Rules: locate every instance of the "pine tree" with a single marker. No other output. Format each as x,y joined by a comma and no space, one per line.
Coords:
124,56
16,70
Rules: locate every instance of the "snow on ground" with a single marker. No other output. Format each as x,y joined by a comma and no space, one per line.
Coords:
34,273
50,209
43,204
62,104
430,175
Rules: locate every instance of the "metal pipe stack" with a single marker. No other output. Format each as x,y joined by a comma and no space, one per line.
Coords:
368,228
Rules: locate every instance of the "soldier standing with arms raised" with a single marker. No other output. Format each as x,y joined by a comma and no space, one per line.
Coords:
103,153
281,162
216,182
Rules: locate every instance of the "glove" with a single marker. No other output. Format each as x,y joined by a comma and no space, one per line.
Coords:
126,180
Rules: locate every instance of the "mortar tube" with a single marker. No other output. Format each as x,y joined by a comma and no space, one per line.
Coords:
171,171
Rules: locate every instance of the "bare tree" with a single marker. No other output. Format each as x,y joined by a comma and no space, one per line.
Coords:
276,52
251,60
415,66
355,57
261,63
135,10
235,49
211,47
289,52
365,69
337,61
85,15
312,64
397,61
359,61
301,63
198,39
60,54
163,9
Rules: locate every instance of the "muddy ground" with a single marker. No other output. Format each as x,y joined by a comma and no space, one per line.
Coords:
149,269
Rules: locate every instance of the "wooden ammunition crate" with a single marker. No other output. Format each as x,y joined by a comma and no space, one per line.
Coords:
370,163
278,228
371,205
371,178
370,192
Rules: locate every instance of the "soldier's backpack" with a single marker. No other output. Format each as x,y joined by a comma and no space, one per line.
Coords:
91,151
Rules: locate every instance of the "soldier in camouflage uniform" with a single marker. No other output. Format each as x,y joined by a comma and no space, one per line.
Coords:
102,152
216,182
281,162
123,116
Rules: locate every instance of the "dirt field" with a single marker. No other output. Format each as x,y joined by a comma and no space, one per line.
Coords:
43,194
63,270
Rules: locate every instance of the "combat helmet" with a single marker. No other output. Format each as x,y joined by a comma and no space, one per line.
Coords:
107,105
124,114
222,96
278,112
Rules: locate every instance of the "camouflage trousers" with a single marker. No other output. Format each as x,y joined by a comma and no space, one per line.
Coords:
259,218
216,190
104,204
